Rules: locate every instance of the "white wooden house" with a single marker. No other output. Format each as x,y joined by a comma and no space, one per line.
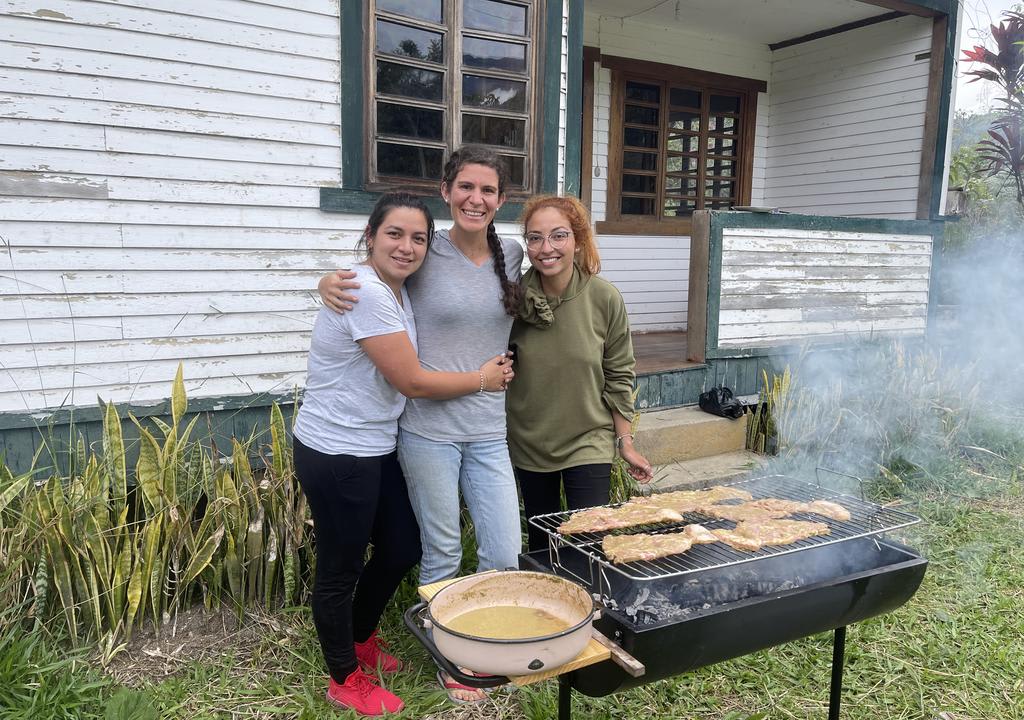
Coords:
175,175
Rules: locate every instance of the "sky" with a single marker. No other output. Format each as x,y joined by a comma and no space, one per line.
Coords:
978,16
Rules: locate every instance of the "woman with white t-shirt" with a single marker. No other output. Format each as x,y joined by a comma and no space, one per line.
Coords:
362,366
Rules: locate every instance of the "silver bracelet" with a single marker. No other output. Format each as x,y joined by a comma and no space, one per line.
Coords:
620,438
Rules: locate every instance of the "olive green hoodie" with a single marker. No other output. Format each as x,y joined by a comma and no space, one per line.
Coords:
574,365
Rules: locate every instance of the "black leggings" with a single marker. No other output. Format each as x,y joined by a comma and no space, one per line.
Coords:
355,501
585,486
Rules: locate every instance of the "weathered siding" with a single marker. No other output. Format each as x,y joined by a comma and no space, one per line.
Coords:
653,272
846,121
158,195
793,285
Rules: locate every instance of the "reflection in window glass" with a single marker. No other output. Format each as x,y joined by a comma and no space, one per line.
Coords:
686,143
684,97
423,9
481,53
639,161
725,103
639,183
494,93
486,130
719,166
396,39
726,125
679,163
409,160
717,188
637,206
516,169
642,92
640,138
641,115
394,79
684,121
679,183
679,207
495,16
410,121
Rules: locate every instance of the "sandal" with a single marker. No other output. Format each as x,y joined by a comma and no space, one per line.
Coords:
452,686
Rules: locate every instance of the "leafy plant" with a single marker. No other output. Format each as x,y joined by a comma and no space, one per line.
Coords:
1003,150
100,549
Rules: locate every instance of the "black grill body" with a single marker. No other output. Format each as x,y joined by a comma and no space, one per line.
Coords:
674,625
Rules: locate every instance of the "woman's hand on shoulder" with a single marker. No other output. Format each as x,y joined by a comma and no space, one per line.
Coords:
497,373
333,289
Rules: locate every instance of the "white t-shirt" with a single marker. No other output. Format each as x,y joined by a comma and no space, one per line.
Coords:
348,407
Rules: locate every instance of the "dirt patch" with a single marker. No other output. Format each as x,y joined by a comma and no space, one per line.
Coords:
193,635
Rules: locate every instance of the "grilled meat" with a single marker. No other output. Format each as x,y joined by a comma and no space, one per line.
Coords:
754,534
629,514
684,501
643,546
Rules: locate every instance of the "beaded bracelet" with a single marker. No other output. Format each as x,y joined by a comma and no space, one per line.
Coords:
620,438
481,383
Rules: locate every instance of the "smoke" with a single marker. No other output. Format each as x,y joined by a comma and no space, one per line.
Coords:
899,411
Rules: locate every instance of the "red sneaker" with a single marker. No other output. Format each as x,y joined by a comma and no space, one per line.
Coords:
373,656
363,695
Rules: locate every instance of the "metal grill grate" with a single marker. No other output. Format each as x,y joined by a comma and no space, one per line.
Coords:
866,518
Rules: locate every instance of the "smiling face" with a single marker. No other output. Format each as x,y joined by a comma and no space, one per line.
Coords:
474,196
552,261
398,247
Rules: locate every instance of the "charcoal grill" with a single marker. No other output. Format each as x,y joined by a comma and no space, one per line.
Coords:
714,603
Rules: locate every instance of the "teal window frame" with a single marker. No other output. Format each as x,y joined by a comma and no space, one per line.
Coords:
354,197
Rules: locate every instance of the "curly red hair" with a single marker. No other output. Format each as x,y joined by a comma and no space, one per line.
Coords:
587,256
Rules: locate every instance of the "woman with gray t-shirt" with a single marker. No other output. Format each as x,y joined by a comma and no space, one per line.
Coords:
362,366
466,297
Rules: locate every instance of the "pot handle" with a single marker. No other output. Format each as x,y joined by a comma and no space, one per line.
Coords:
413,621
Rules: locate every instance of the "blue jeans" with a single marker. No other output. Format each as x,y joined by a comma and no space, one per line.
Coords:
435,471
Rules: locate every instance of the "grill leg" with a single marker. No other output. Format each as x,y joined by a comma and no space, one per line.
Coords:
564,697
838,653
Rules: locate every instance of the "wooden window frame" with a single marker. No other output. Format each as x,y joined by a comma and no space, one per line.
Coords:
454,30
623,69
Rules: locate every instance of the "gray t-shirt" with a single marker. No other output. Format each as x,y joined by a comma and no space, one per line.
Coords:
348,407
462,323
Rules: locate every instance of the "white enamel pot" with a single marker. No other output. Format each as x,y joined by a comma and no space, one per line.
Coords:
554,595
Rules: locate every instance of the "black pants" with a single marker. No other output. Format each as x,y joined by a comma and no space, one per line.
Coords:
585,486
355,501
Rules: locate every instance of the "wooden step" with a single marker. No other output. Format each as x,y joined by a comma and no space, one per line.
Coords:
705,471
687,433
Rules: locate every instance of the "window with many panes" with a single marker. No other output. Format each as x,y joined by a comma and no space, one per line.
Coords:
449,72
677,143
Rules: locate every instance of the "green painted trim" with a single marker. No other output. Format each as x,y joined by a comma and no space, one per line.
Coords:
361,202
353,165
937,205
551,90
42,419
791,221
574,102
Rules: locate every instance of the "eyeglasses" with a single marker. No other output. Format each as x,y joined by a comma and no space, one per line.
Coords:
556,239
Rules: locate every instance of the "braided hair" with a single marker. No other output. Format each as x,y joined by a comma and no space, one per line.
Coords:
511,293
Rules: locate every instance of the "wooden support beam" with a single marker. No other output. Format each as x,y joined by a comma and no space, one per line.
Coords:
932,120
931,8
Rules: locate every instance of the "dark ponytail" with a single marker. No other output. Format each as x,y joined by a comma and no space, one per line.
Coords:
511,293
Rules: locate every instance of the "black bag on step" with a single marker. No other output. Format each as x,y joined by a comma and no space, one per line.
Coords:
720,401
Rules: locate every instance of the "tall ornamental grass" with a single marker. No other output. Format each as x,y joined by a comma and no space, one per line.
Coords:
95,554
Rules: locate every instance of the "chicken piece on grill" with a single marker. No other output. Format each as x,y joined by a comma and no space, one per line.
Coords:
685,501
644,546
755,534
632,548
627,515
769,508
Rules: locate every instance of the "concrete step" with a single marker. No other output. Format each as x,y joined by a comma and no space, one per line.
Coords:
687,433
705,471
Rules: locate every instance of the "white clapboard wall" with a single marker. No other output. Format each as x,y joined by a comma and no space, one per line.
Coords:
795,285
846,121
160,165
652,272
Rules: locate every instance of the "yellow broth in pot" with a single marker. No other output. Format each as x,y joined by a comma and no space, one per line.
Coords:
507,622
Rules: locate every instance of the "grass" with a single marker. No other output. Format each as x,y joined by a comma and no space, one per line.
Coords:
954,652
